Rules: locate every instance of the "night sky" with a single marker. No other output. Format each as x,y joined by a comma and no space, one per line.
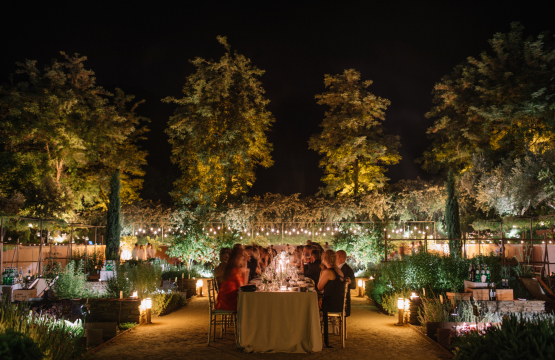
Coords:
144,48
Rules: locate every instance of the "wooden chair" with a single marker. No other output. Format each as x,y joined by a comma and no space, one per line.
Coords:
214,313
342,317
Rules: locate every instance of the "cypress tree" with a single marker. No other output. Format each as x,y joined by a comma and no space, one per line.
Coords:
452,220
113,223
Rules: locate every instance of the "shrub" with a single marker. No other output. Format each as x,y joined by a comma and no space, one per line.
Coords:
17,346
389,301
127,326
163,300
71,282
56,338
517,338
142,277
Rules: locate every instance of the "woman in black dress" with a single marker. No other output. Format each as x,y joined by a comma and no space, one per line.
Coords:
332,281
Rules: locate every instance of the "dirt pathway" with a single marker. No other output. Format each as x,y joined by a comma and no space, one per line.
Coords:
183,335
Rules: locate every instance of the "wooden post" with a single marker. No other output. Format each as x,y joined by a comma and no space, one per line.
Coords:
40,249
71,244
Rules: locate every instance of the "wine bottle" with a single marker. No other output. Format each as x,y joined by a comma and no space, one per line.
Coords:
483,276
494,291
470,272
488,274
490,290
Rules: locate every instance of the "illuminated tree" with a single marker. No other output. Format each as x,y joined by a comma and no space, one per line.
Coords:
352,140
59,130
218,131
499,105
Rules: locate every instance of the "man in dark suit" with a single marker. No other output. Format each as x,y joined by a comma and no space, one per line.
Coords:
341,256
313,268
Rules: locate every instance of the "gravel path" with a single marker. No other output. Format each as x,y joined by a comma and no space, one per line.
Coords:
183,335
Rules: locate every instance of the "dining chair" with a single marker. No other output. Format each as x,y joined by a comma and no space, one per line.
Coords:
214,313
342,317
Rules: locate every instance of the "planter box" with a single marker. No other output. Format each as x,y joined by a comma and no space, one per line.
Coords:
459,296
24,295
479,294
470,284
504,294
109,329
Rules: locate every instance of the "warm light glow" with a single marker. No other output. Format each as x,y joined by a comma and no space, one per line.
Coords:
199,283
359,283
413,296
30,225
146,303
407,304
135,295
400,303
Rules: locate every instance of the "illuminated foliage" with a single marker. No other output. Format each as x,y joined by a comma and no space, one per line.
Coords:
218,131
59,131
499,105
352,141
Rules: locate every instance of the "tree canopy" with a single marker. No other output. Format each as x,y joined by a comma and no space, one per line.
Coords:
218,131
62,137
500,105
353,141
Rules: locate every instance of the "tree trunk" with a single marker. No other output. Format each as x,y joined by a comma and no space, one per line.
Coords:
355,177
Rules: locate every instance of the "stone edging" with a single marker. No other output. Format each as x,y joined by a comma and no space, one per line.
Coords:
106,343
444,350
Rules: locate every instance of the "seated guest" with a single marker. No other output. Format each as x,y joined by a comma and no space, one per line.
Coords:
220,269
313,269
349,274
252,262
305,259
233,280
332,283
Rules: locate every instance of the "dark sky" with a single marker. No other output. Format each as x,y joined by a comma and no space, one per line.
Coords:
143,48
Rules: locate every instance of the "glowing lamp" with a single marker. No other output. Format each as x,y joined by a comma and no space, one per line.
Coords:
400,307
135,295
146,304
407,304
199,286
360,283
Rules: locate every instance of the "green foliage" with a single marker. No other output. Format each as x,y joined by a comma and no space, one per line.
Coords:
162,301
452,220
127,326
63,136
352,141
142,277
515,339
71,281
93,261
389,301
56,339
432,310
366,247
418,200
17,346
499,104
113,222
429,271
176,271
218,131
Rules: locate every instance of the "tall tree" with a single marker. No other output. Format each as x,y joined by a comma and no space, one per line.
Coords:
452,219
113,221
60,131
500,105
353,141
218,131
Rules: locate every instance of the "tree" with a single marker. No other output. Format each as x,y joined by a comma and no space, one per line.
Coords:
113,221
419,200
218,131
500,105
352,141
58,128
514,186
452,220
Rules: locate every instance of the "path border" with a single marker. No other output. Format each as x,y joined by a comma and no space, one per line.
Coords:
106,343
444,350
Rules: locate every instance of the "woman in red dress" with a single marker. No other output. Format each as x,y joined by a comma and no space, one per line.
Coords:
233,280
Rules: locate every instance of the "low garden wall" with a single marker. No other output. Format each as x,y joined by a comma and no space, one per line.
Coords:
113,310
515,306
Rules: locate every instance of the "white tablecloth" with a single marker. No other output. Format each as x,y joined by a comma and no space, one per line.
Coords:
279,321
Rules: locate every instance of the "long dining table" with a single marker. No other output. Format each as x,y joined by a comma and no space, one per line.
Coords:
280,321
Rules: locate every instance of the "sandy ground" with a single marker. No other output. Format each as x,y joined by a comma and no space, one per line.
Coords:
183,335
